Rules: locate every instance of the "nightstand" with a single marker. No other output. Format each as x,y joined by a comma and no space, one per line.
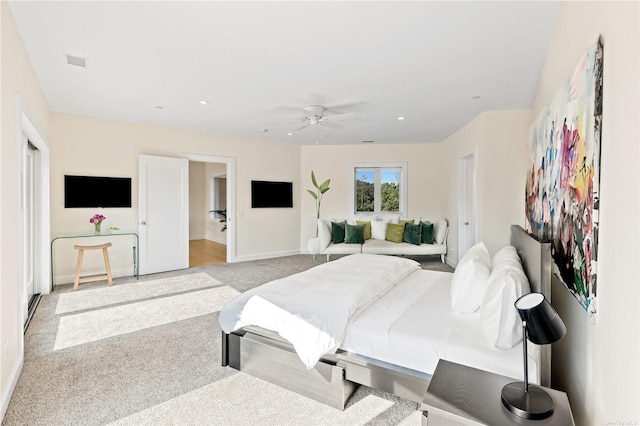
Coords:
461,395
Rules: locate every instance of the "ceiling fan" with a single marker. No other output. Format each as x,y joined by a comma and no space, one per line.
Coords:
314,115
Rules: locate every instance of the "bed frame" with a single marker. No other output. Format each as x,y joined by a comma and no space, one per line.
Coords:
335,377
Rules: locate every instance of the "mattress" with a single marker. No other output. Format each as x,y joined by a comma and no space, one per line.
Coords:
413,326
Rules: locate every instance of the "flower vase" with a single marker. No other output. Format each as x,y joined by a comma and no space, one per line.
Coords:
98,227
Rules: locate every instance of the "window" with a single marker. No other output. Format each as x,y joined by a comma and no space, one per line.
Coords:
379,188
218,198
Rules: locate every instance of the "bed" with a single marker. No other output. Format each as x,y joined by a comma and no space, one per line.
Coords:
388,338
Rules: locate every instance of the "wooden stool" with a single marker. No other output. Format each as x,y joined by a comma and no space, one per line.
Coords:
98,277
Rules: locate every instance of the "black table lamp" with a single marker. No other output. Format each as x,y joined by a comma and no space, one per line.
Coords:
542,325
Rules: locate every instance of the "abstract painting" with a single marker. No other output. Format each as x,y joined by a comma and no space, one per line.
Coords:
562,189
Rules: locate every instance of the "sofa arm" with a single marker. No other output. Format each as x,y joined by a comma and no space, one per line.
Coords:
313,245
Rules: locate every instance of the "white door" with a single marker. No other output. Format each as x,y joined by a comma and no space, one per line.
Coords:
28,181
163,213
466,204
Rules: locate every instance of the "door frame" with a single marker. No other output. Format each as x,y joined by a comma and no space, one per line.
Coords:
466,191
42,213
230,163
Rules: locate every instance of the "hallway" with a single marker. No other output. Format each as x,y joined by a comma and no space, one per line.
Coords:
205,252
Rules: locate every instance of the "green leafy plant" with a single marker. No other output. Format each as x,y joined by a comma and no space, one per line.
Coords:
223,217
318,193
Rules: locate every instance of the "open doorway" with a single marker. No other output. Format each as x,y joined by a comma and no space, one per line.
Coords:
208,230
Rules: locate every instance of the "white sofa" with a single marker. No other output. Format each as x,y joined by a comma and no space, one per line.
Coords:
322,243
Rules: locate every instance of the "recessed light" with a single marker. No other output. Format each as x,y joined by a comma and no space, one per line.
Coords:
401,118
203,102
158,107
476,97
264,130
289,134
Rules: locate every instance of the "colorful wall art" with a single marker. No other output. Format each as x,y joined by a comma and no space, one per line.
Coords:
562,189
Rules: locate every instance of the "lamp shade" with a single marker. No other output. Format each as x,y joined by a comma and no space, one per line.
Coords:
543,324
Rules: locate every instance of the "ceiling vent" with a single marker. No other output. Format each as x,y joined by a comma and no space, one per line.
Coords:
76,61
367,141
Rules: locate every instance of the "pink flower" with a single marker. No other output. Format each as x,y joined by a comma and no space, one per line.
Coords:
97,218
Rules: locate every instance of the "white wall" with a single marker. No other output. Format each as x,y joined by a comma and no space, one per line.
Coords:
17,79
197,200
425,180
214,227
598,364
499,141
85,145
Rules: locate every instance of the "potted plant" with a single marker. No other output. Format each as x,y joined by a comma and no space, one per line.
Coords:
317,194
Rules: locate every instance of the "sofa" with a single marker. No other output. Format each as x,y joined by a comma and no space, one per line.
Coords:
378,243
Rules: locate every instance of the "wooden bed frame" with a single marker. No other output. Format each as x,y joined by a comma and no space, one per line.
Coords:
335,377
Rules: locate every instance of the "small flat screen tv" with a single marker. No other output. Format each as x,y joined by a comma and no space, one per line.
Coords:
266,194
96,191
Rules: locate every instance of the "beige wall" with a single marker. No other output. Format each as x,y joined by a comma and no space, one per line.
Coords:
197,200
214,226
84,145
17,79
499,143
425,183
598,364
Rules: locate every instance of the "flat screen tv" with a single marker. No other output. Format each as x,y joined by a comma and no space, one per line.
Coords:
96,191
266,194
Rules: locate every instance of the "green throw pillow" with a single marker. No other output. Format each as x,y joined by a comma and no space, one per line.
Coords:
367,228
337,232
412,233
354,234
394,232
427,232
404,221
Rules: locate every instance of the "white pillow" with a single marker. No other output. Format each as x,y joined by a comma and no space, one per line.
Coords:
498,317
470,279
378,229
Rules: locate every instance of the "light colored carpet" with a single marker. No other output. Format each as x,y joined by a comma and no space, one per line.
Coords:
148,352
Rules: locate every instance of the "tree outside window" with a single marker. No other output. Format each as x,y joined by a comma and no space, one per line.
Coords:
378,189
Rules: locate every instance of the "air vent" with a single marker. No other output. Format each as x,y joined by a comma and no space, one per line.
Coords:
76,61
367,141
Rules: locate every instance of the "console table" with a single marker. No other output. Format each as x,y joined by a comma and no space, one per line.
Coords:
136,253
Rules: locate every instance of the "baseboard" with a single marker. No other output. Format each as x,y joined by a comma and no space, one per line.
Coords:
267,255
197,237
451,262
6,396
115,273
216,240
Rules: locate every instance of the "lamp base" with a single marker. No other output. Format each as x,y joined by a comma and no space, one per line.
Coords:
535,404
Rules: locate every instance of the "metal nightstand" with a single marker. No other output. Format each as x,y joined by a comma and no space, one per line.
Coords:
461,395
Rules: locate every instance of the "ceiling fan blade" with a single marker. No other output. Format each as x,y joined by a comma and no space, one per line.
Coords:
338,117
302,127
332,125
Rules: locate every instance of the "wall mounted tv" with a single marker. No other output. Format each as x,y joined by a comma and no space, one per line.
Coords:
96,191
266,194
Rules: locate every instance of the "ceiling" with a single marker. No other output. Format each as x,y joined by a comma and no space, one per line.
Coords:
257,64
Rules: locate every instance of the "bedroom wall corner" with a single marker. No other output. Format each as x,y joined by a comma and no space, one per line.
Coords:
498,139
602,357
17,80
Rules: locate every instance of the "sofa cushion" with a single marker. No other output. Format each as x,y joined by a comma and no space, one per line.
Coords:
354,234
337,232
387,247
440,228
378,230
343,249
394,232
367,228
412,233
427,232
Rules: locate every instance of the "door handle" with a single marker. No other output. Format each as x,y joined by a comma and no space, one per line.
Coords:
466,223
143,223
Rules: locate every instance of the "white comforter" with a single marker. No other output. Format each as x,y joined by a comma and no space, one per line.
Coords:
313,308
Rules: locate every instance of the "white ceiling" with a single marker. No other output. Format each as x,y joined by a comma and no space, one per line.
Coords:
259,63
